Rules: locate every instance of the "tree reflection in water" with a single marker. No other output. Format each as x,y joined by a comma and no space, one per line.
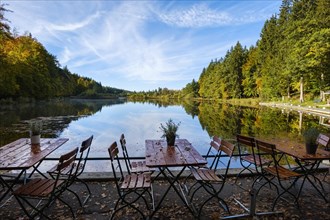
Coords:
108,119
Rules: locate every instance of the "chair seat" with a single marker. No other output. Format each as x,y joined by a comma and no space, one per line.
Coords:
139,166
283,173
134,181
205,175
38,188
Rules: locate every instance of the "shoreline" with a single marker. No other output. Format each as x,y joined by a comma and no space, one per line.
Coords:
310,109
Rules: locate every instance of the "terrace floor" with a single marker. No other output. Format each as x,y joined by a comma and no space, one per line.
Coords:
104,195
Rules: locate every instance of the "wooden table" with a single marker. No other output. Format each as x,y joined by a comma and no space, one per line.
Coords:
20,155
299,153
182,155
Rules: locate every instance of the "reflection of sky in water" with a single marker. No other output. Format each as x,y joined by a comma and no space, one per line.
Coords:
138,122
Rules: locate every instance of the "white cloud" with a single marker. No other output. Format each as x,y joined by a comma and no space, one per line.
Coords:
138,42
74,26
196,16
205,15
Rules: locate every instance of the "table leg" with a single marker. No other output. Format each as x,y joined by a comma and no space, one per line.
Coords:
172,180
35,169
307,172
10,186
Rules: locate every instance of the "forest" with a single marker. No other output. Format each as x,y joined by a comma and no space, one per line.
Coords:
291,59
292,55
29,71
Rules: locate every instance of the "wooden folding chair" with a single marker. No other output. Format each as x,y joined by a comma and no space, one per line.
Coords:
133,166
324,140
212,158
131,187
79,167
277,172
250,158
46,191
246,146
207,178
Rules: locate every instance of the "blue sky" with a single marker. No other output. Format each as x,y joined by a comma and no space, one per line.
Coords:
140,45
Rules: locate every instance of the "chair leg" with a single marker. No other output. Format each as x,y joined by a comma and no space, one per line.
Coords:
214,194
268,181
88,189
194,192
244,168
72,212
22,200
127,204
286,190
76,195
326,174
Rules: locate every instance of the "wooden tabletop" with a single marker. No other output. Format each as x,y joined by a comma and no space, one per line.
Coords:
299,151
182,154
20,155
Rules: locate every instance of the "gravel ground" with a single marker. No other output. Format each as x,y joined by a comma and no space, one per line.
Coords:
104,195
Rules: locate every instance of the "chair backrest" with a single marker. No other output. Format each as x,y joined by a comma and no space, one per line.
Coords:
214,150
245,140
66,165
125,153
84,152
323,140
269,149
113,153
227,148
249,144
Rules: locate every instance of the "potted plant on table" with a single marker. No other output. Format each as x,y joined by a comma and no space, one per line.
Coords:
311,135
169,131
35,132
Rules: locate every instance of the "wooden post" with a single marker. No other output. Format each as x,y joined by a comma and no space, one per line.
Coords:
301,90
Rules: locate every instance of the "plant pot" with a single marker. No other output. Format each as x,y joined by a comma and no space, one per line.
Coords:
170,141
35,139
311,148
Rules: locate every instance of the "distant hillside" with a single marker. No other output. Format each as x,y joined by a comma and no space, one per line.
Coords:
28,70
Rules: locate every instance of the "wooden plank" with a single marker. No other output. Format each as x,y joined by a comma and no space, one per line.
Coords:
150,156
125,183
154,153
191,155
132,181
170,155
140,181
43,188
29,159
13,152
147,180
18,155
157,154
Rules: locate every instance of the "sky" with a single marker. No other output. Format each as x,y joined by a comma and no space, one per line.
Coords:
140,45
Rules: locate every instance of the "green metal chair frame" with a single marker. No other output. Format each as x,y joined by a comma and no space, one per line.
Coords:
133,166
46,191
277,172
246,157
207,177
136,184
79,168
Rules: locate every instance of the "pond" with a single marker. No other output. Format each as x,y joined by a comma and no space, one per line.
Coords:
106,120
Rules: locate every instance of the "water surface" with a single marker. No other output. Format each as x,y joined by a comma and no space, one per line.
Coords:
106,120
